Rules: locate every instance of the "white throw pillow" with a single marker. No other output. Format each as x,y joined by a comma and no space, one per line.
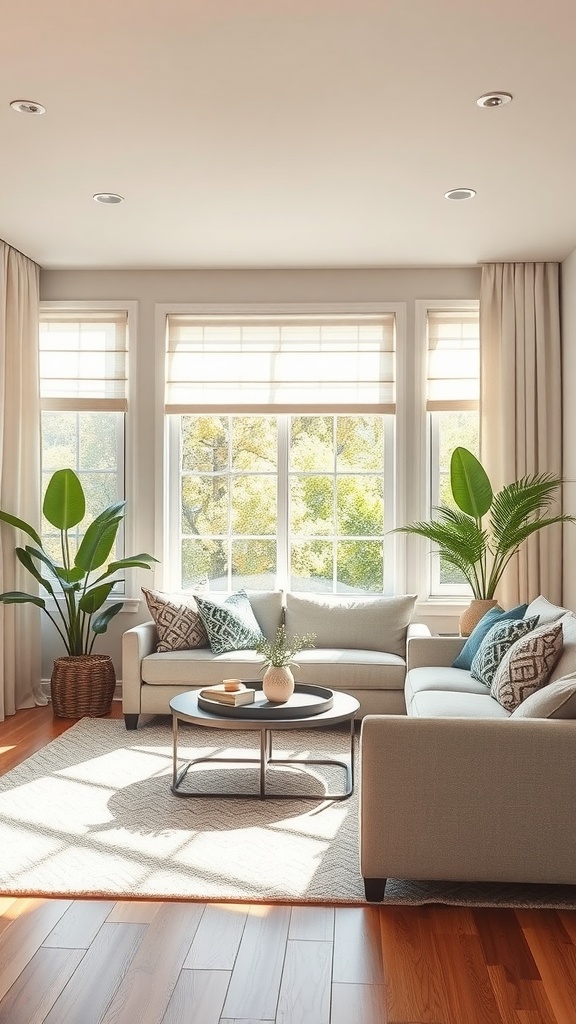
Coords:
567,664
555,700
545,611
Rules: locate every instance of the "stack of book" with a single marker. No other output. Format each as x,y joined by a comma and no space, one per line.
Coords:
232,697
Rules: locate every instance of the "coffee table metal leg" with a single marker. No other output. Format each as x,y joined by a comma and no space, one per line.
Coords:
265,747
265,759
174,750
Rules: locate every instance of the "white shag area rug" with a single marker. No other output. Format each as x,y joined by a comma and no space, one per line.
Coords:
92,814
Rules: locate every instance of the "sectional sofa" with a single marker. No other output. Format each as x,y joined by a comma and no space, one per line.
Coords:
360,648
463,789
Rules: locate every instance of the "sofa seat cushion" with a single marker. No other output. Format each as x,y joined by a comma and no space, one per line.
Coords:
346,669
446,704
199,667
451,680
337,669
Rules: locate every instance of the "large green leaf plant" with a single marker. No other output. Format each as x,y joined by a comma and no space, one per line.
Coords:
484,530
82,584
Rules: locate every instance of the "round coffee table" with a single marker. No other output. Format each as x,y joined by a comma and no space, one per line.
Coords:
184,708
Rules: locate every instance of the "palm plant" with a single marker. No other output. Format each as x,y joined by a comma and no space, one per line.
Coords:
77,586
479,547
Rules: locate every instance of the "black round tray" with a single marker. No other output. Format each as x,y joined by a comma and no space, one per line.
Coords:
307,700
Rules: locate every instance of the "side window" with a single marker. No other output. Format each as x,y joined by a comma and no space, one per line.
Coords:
83,390
453,382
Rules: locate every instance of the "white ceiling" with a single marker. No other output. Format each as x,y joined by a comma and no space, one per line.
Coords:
287,133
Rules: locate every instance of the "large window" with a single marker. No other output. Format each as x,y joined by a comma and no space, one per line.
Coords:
281,434
297,498
453,414
83,387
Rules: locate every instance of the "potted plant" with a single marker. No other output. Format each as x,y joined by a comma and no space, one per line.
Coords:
82,683
278,654
484,530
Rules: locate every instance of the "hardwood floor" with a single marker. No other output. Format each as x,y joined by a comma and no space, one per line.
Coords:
136,962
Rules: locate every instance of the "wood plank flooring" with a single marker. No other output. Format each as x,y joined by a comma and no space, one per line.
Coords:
142,962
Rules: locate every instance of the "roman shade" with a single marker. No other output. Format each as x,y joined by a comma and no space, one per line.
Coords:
84,360
453,359
280,363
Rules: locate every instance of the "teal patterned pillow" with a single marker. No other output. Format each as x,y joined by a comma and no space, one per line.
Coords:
230,622
495,644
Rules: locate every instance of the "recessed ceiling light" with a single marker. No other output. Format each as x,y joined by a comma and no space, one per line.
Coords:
27,107
494,99
108,198
460,193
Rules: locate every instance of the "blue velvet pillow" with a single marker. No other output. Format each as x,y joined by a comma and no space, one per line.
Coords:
464,659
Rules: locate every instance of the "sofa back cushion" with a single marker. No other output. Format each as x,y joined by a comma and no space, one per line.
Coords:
354,623
268,607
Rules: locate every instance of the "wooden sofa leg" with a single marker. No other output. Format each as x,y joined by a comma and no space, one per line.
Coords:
131,721
374,889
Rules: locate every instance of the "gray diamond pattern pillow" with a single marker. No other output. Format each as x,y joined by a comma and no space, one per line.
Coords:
527,665
495,644
178,622
230,622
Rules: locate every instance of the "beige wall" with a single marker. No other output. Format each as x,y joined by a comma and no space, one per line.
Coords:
568,285
151,287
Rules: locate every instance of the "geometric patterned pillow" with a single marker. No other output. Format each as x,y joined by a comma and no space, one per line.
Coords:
527,665
495,644
178,622
230,622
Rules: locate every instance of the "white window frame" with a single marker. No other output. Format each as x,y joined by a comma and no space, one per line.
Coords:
128,462
168,498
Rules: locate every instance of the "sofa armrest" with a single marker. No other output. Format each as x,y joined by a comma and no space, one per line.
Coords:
467,799
417,629
136,644
424,651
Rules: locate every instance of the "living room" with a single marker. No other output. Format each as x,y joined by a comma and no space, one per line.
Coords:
278,160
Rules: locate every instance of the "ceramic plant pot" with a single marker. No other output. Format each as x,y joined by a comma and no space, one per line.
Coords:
472,614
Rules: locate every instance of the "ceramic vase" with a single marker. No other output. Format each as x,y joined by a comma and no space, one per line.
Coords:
472,614
278,684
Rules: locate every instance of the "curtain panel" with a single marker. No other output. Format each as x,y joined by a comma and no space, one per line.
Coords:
521,405
19,474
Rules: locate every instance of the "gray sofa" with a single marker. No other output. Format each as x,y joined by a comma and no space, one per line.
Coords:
360,648
461,789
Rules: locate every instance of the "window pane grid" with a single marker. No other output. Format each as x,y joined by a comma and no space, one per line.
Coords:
235,528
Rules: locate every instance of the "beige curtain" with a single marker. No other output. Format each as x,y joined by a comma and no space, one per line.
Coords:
521,415
19,474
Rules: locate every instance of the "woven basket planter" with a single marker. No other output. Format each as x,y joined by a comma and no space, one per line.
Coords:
82,686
